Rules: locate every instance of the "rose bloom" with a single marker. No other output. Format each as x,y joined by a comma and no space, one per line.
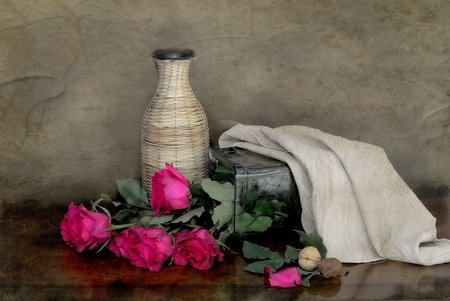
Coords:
287,277
144,247
170,190
198,247
83,229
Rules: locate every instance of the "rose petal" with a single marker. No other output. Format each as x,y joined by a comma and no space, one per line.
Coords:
181,203
177,174
287,277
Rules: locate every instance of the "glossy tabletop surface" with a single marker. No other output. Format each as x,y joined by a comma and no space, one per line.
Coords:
37,265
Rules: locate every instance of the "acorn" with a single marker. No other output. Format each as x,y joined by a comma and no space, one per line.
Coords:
330,267
309,258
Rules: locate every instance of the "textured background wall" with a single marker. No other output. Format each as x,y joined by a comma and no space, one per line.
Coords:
76,76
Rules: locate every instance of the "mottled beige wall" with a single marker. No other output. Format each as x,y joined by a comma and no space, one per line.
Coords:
76,76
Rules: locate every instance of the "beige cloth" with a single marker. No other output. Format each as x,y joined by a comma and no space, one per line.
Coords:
350,195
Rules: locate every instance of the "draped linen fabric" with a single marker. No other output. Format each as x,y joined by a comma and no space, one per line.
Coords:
350,195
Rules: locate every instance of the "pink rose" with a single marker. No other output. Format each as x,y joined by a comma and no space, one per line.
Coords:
144,247
287,277
85,229
170,190
198,247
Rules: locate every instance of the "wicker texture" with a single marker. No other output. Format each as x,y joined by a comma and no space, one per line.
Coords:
174,128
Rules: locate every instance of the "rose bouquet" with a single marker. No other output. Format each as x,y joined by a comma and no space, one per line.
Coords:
172,223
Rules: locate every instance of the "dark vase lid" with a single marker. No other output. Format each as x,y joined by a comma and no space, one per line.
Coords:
173,54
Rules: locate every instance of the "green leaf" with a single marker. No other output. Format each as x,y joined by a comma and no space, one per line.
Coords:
143,217
291,253
344,271
133,192
145,221
95,204
190,214
264,208
242,222
146,213
314,240
305,280
159,220
278,205
306,276
223,236
217,191
117,204
261,224
231,227
259,266
126,215
223,174
254,251
222,214
197,191
106,197
250,197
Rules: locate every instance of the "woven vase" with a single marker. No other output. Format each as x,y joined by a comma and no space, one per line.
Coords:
175,129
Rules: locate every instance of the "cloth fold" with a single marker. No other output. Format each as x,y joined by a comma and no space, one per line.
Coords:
350,195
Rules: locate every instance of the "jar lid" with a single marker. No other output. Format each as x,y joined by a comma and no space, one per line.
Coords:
173,54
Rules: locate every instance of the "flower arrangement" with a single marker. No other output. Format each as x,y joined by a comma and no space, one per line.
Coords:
147,231
185,224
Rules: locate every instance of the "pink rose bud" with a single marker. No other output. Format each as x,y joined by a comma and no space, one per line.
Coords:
170,191
144,247
198,247
83,229
287,277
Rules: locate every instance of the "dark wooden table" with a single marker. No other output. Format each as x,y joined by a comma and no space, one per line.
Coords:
37,265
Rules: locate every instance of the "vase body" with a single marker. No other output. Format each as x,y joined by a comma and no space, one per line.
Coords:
175,129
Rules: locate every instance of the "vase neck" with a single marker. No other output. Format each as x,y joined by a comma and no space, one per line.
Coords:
173,72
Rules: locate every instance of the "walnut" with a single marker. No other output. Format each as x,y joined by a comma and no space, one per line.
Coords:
309,258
